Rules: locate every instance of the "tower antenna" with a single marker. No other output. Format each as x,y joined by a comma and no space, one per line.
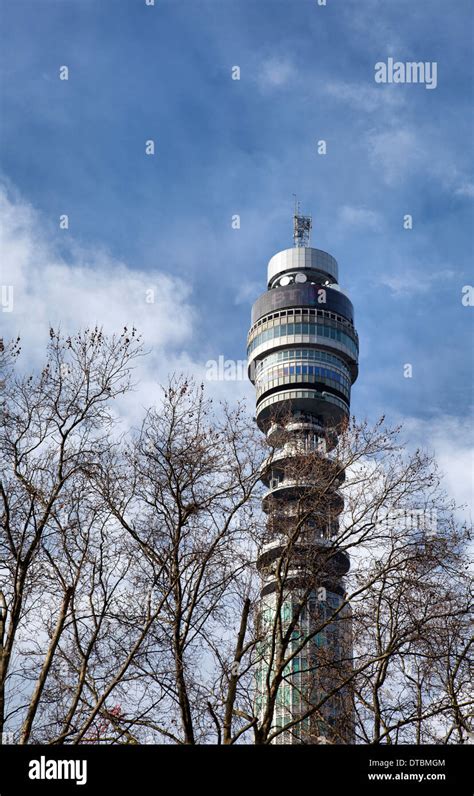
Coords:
301,227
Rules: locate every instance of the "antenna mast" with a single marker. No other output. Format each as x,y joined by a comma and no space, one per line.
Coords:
301,227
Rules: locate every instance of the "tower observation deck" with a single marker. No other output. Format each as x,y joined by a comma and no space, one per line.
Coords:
303,359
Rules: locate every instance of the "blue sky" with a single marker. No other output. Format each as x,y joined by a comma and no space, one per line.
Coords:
226,147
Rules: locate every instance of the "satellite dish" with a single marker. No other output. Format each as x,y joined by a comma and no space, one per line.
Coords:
301,278
285,280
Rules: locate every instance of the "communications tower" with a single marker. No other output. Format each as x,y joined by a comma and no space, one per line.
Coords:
303,360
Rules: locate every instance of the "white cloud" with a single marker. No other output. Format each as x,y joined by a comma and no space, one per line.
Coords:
369,26
248,292
451,440
396,153
276,72
359,217
87,287
466,189
365,97
407,282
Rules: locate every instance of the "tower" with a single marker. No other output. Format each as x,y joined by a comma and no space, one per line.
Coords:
302,357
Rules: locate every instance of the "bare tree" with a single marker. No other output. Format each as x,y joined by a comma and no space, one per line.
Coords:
55,428
129,565
349,662
193,473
